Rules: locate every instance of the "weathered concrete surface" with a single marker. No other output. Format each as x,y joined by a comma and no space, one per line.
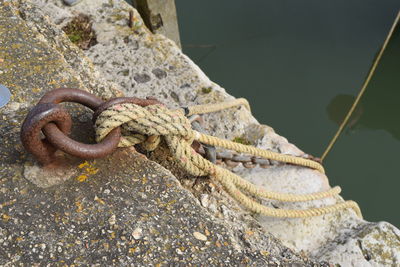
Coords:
144,64
363,243
122,214
123,209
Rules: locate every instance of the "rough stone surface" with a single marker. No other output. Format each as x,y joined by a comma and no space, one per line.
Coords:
120,210
363,243
142,64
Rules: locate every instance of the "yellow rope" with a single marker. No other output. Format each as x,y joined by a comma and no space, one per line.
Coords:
209,108
364,86
145,125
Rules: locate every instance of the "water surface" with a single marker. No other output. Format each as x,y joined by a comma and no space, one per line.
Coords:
300,64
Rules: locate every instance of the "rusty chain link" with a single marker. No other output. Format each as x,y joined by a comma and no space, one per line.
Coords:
229,158
232,159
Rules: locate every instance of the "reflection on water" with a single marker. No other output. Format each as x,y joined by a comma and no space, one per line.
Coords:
300,64
380,106
382,98
338,108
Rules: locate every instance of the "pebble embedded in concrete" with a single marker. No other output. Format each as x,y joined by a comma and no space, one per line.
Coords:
199,236
137,233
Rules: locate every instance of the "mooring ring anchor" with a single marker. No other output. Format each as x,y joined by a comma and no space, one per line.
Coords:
37,118
55,123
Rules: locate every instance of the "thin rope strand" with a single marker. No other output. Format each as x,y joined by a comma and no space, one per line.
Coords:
363,88
209,108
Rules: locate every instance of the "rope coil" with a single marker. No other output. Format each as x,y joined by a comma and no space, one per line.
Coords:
146,125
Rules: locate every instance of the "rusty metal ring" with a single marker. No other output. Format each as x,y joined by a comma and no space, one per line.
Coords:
122,100
37,118
56,138
72,95
68,145
88,151
55,123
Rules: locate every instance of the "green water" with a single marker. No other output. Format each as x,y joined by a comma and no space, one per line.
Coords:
300,64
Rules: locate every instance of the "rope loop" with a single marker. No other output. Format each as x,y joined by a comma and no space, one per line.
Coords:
147,125
142,124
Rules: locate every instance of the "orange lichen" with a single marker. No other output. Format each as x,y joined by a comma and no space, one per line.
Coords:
80,166
82,177
79,206
89,169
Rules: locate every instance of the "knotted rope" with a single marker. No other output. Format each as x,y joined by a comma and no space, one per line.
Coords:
146,125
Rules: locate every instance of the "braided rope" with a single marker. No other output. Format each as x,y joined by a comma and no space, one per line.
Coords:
145,125
209,108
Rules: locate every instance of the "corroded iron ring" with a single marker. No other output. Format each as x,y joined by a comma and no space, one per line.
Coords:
55,123
38,117
41,118
72,95
87,151
68,145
